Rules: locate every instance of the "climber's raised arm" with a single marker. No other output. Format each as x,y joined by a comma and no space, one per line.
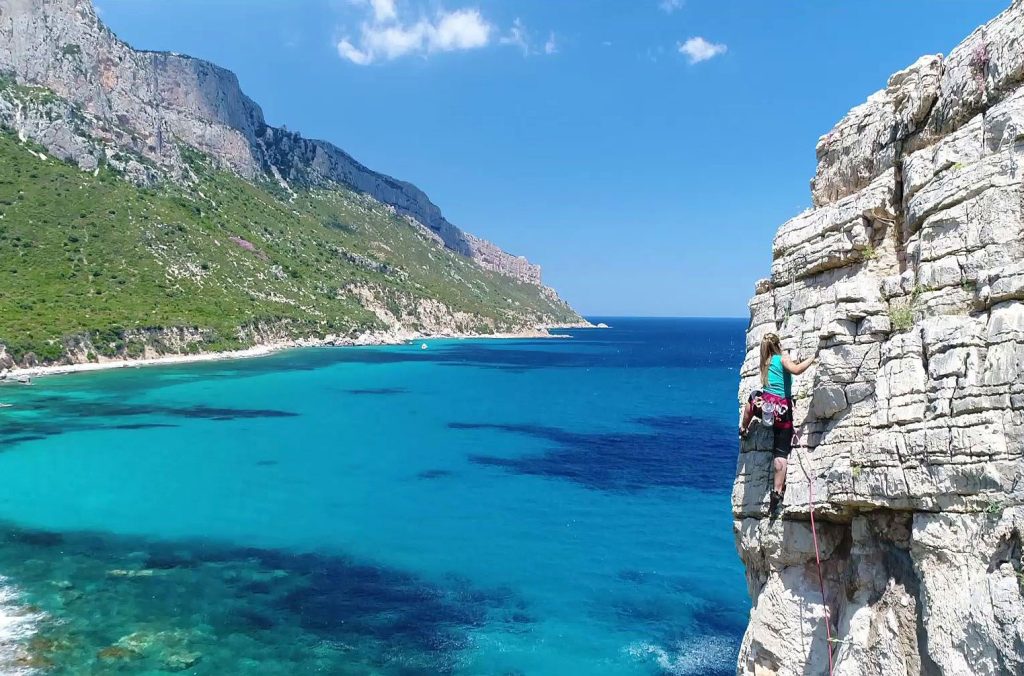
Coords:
797,367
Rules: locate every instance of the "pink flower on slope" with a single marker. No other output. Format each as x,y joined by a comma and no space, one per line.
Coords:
248,246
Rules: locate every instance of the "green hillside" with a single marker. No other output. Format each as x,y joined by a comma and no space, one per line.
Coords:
93,260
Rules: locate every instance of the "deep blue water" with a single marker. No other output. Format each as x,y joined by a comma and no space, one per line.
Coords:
479,507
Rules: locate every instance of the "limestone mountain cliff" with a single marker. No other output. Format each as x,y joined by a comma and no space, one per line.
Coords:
908,274
150,102
147,208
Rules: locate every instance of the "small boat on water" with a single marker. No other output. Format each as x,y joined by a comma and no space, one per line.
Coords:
423,346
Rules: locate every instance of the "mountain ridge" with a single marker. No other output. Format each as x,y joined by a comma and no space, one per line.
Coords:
147,209
64,45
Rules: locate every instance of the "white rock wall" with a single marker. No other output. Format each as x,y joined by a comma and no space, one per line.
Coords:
908,273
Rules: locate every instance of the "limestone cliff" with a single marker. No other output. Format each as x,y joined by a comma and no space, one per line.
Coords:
908,274
147,104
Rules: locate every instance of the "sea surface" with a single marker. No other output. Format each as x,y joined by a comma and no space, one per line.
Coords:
553,506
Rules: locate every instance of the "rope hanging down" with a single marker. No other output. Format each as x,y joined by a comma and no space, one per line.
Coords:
817,557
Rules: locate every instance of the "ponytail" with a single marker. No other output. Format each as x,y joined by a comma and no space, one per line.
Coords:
770,346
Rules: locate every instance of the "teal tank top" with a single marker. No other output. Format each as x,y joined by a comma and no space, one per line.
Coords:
780,381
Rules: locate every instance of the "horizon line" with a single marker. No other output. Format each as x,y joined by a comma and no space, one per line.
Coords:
589,315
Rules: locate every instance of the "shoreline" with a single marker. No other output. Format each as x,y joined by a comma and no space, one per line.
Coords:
21,376
18,624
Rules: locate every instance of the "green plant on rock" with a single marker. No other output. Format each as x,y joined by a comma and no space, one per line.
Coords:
901,315
901,310
995,507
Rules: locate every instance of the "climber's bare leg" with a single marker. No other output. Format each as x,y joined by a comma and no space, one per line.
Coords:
780,473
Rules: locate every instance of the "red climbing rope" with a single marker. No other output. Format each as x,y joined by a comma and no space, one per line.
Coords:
817,558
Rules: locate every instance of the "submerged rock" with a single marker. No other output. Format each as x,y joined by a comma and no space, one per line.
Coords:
33,661
138,642
116,653
908,275
182,660
123,572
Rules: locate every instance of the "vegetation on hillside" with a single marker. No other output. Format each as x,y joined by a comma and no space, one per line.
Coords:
90,258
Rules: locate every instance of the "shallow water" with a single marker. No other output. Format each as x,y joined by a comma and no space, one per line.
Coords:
497,507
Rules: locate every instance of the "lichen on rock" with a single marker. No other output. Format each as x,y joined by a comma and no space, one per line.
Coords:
908,276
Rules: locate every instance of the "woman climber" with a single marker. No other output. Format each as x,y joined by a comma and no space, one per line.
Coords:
774,406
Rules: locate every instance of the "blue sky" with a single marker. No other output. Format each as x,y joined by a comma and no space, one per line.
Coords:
643,151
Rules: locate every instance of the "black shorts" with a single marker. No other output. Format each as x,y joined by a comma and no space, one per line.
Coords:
783,444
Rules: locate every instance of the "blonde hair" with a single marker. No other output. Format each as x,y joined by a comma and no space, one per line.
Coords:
770,346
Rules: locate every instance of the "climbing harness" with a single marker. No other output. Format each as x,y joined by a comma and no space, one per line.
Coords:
817,553
772,407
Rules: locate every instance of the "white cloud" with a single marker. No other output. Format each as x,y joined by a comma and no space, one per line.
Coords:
517,37
698,49
347,50
551,46
384,10
462,29
394,41
385,36
669,6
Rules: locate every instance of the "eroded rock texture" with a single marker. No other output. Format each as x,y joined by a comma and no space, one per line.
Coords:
149,104
908,272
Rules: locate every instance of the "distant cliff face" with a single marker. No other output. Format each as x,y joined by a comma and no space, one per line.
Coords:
909,273
150,103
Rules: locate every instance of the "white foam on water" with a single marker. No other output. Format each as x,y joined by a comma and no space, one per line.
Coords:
17,626
689,657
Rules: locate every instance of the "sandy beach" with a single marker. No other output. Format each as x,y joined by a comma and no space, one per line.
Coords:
19,375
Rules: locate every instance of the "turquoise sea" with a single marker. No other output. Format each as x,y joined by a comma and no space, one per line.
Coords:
550,506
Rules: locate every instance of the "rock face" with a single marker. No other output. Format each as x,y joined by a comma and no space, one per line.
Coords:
908,275
149,104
